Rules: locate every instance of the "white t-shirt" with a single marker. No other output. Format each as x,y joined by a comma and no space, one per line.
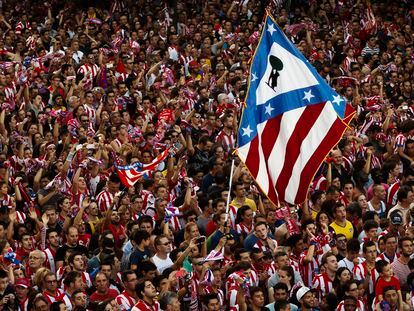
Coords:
162,264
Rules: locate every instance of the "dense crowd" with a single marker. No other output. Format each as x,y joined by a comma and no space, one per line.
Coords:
87,87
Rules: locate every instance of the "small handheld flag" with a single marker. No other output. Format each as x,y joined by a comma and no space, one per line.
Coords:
291,121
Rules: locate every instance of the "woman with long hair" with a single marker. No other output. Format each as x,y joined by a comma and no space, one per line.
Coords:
244,221
287,276
342,276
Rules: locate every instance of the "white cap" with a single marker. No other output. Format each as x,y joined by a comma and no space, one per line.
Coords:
302,292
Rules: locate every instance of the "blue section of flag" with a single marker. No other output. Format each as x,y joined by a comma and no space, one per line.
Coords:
255,112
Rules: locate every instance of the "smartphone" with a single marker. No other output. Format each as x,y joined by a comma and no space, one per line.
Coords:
110,65
201,239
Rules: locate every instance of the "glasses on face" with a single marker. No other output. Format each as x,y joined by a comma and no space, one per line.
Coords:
197,117
165,244
174,136
84,120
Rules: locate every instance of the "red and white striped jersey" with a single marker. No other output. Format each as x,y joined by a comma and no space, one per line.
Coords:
148,201
20,217
260,245
10,92
232,215
90,72
392,194
391,259
348,163
346,64
104,200
141,305
121,76
125,301
91,113
50,259
294,262
241,228
360,273
320,183
323,284
399,142
78,197
60,296
310,270
228,141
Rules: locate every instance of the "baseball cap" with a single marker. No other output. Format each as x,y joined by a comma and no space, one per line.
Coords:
302,292
24,282
396,218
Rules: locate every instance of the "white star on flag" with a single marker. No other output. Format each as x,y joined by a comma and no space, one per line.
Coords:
269,109
337,99
254,77
247,131
271,29
308,95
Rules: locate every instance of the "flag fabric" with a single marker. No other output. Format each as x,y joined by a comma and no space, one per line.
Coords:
292,118
214,256
130,174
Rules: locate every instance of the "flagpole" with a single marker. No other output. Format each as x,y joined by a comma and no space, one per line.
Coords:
228,195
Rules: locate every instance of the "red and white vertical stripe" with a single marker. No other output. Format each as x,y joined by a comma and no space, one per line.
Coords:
289,148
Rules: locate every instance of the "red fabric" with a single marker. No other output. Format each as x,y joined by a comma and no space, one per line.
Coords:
381,284
112,293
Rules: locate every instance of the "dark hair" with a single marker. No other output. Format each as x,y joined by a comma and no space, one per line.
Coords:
388,236
367,244
289,270
146,266
370,224
124,275
140,288
140,235
280,305
380,265
49,231
72,256
238,252
55,306
336,206
401,240
255,289
403,192
316,195
71,277
209,297
280,285
240,213
353,245
387,288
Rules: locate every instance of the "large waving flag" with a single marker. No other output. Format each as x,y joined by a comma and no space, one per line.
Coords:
130,174
291,121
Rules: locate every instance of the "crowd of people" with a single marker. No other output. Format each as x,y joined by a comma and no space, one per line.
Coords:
88,88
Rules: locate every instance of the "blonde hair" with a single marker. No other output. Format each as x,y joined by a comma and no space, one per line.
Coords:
39,277
187,230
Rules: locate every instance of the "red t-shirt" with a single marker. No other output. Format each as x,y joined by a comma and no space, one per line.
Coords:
381,284
112,293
